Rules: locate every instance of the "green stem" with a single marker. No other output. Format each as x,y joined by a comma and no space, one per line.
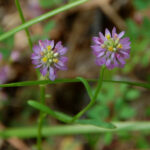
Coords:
41,118
100,81
46,82
23,21
26,29
61,130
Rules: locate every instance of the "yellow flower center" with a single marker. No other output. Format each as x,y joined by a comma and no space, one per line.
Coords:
49,56
55,60
110,48
108,36
49,47
44,59
119,46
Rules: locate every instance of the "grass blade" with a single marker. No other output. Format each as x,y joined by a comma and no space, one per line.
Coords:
43,82
97,123
41,18
66,118
58,115
31,132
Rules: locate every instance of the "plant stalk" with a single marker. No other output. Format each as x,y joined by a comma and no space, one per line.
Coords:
100,81
23,21
41,118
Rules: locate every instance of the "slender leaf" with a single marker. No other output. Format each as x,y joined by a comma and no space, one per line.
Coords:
58,115
31,132
97,123
41,18
42,82
66,118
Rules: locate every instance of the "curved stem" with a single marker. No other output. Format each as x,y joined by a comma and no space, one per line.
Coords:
41,118
23,21
100,81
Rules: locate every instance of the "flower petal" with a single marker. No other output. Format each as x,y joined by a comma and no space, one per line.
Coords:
43,71
102,37
58,45
107,32
113,32
52,44
96,40
52,74
121,34
62,51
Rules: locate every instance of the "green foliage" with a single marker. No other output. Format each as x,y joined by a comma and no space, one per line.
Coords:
66,118
142,143
97,123
119,96
49,3
108,137
6,46
127,112
45,82
132,94
147,112
138,34
49,26
99,112
141,4
58,115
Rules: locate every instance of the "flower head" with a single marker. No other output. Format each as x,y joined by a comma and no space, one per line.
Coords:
111,49
49,58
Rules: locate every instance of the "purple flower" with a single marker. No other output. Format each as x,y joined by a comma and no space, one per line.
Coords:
111,50
49,58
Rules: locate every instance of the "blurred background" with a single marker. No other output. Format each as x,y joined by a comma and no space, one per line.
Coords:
116,102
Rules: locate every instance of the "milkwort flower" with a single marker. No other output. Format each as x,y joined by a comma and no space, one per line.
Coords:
49,58
111,49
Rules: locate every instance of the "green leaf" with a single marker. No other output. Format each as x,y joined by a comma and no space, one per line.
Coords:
142,143
47,131
41,18
99,112
86,84
108,137
132,94
44,82
66,118
49,26
5,52
147,112
60,116
49,3
98,123
127,112
141,4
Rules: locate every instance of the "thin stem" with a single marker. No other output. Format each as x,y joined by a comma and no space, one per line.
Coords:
26,29
41,118
23,21
100,81
57,81
61,130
